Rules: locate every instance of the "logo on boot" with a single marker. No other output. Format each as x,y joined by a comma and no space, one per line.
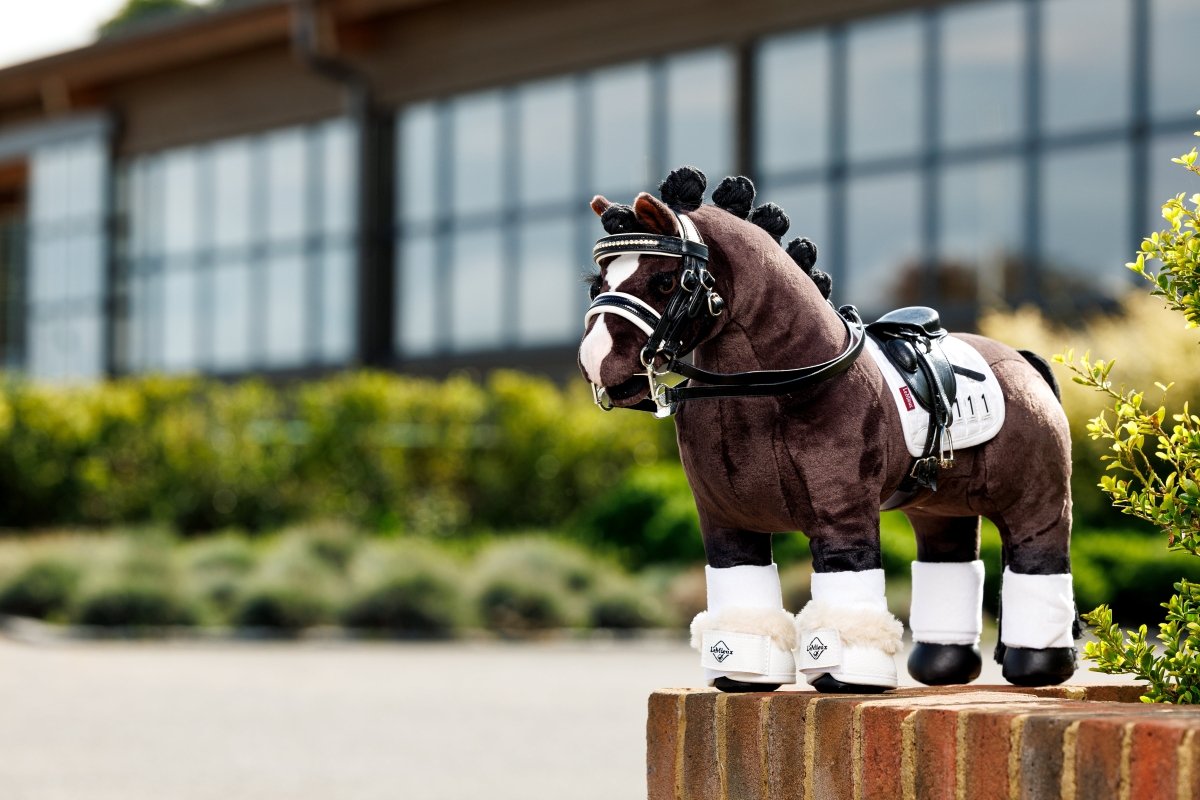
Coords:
816,648
720,651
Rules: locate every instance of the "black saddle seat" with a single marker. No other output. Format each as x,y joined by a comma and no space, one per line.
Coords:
916,318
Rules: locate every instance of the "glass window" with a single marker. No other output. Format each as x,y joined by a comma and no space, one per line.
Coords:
979,248
548,283
884,80
338,305
883,265
477,156
181,216
416,304
1086,63
620,124
84,266
285,338
546,119
699,113
476,290
982,52
418,185
792,119
179,309
1085,226
88,170
1174,32
287,184
230,310
232,214
339,152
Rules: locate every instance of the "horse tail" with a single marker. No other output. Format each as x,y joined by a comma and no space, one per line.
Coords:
1043,368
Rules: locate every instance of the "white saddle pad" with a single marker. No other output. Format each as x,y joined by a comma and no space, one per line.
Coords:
978,411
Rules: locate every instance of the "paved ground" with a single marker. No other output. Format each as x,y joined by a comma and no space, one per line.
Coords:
327,721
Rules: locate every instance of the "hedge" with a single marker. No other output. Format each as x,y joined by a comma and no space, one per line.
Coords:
380,450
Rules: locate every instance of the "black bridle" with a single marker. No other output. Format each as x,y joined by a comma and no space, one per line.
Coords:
696,294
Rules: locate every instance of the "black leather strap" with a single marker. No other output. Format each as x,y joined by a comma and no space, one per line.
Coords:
650,243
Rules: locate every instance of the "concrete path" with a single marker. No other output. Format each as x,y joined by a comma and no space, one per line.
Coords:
327,721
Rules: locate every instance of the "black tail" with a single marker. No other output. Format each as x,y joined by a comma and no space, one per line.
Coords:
1043,368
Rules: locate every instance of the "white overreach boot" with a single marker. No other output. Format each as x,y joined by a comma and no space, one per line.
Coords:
946,618
745,636
1037,628
847,633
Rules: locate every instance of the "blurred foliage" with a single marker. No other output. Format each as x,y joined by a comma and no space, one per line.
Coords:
1152,468
379,450
136,13
1149,344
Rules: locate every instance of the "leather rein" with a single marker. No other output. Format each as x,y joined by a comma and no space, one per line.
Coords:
696,294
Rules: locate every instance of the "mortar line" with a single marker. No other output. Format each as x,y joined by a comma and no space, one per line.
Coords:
810,748
908,765
764,762
1016,730
1067,786
856,756
722,744
960,755
1184,760
681,733
1126,746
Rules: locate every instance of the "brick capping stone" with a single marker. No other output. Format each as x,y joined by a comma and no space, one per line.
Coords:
949,743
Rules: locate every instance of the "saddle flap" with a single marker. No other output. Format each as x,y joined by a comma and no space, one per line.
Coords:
916,363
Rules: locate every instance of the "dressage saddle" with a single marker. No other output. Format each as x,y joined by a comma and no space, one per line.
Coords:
911,339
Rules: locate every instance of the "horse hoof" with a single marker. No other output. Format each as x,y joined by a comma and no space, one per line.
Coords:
730,685
944,664
1026,666
831,685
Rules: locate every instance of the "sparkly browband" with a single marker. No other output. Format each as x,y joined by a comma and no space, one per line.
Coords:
651,244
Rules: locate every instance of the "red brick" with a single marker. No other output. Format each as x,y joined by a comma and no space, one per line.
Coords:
935,748
1098,745
701,770
785,744
833,767
662,745
986,745
745,746
1154,756
882,749
1042,754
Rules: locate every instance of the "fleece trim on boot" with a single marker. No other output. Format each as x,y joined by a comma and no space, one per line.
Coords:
947,602
1037,611
857,625
777,625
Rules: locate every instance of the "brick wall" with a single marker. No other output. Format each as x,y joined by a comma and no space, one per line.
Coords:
972,743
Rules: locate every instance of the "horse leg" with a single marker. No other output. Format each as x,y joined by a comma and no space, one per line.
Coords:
946,616
1038,620
745,637
847,636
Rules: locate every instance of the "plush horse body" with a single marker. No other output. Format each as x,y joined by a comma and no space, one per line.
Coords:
824,458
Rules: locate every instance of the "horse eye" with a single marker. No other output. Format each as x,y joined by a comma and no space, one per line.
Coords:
593,281
663,282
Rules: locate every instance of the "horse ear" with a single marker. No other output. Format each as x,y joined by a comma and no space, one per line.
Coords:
653,215
599,204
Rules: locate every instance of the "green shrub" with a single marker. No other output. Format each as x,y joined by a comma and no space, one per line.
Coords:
619,603
283,608
535,582
406,588
44,589
648,517
133,604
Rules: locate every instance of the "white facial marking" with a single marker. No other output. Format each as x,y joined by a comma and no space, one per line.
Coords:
598,343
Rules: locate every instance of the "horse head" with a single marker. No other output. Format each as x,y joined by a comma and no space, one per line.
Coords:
666,277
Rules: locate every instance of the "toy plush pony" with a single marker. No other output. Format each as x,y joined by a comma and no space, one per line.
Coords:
794,415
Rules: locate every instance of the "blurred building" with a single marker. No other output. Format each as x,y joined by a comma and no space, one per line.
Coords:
288,187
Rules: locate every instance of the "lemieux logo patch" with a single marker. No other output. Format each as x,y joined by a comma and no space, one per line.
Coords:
816,648
720,651
906,396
